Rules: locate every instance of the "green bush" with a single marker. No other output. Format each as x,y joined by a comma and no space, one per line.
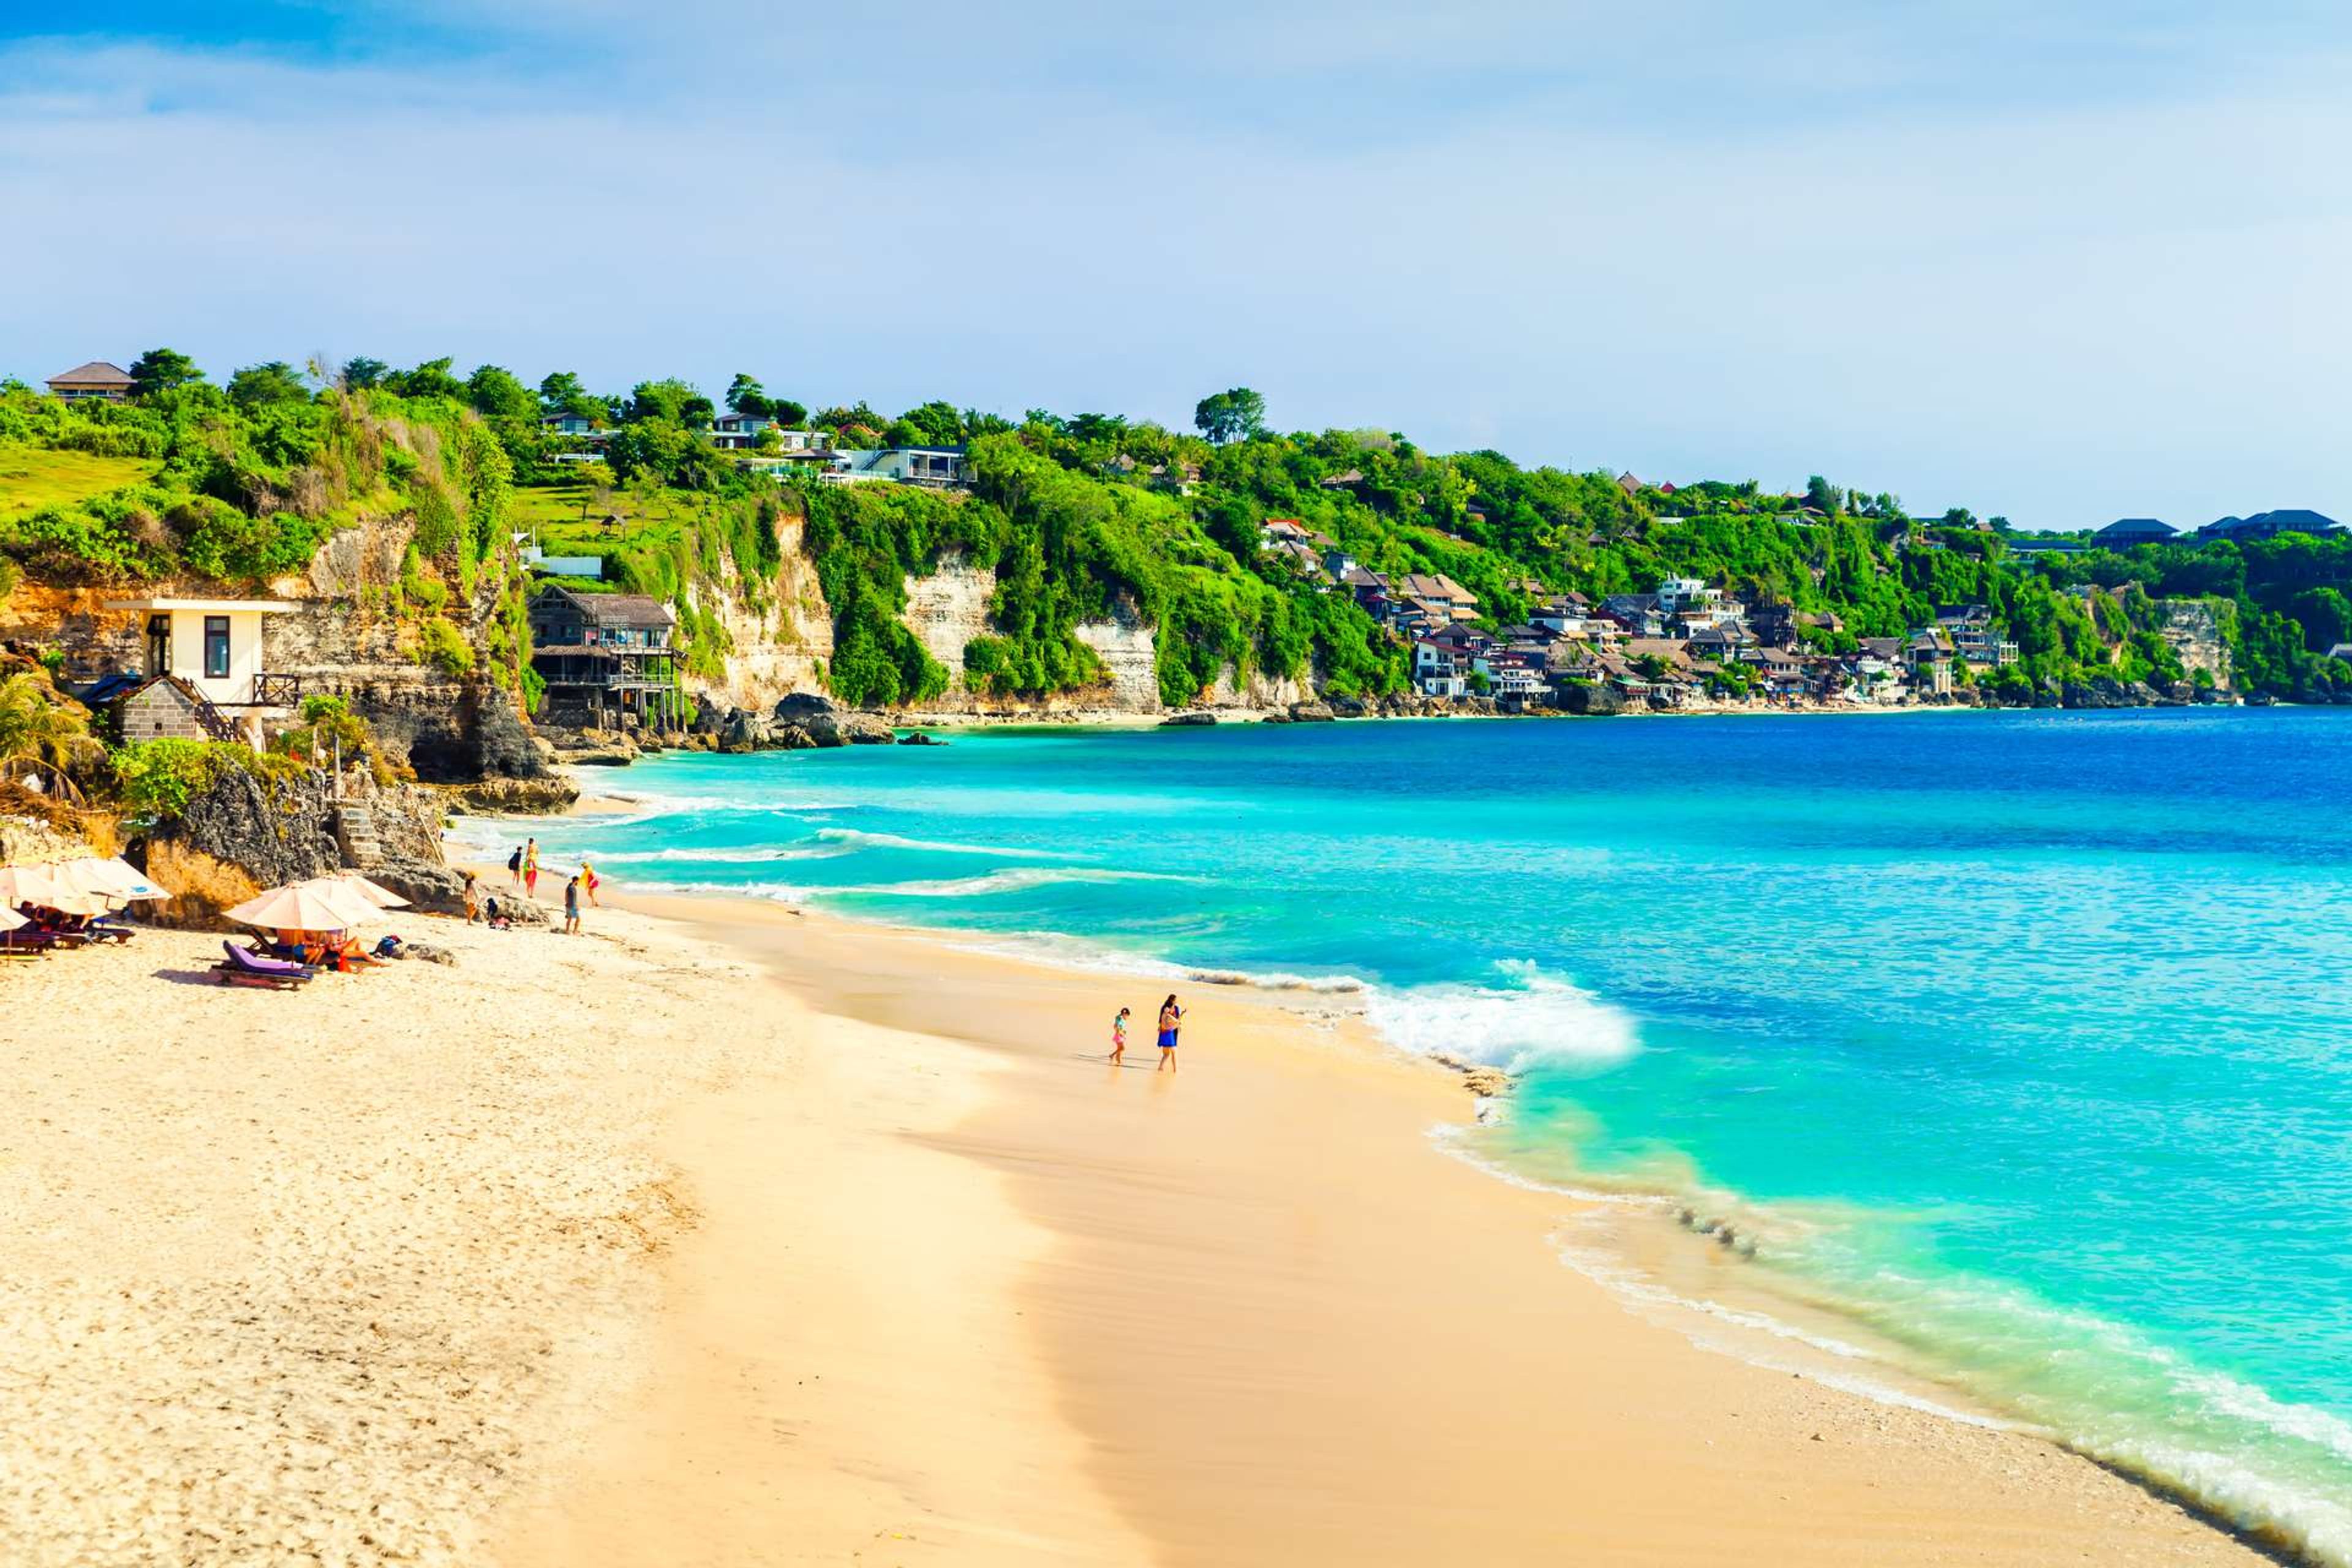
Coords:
442,646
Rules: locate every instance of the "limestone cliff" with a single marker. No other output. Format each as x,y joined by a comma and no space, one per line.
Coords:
2194,629
777,635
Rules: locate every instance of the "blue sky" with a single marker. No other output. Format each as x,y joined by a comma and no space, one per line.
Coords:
2061,267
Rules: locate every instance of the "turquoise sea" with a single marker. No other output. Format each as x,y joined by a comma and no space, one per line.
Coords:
2024,1038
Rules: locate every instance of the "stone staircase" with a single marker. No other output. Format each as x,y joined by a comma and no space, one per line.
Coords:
355,834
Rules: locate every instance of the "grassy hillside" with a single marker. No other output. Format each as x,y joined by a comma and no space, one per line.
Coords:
32,478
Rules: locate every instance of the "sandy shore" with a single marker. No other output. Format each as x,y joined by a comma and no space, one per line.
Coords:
723,1236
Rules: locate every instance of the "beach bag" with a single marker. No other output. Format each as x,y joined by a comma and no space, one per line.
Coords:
388,948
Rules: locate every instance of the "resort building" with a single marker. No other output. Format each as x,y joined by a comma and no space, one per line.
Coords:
937,468
2129,531
606,659
1973,636
99,380
212,650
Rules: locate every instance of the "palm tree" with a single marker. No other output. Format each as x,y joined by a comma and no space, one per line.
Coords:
37,727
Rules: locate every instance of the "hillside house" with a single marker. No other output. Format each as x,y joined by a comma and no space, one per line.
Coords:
606,658
1927,654
99,380
1455,601
935,467
216,647
577,426
1974,636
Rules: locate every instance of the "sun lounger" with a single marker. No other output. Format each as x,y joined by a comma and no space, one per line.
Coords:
246,967
106,928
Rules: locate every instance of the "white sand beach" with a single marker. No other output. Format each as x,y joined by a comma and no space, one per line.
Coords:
724,1235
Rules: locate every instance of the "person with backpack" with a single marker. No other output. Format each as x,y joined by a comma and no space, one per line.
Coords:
514,868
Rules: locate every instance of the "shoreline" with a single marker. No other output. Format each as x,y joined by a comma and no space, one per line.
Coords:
1909,1431
726,1235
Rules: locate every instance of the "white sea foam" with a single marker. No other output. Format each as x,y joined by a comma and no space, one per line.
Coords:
1534,1017
1019,879
854,838
741,857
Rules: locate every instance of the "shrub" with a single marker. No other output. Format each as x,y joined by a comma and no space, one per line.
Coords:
158,778
444,646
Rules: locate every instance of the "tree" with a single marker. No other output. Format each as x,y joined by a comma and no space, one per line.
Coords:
359,374
1232,416
560,392
746,396
1823,496
259,385
37,727
2325,615
936,423
431,379
498,394
161,370
784,411
664,400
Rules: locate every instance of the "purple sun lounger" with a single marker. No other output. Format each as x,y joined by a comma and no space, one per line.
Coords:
245,967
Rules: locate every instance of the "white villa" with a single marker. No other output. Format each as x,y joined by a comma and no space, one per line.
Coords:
213,647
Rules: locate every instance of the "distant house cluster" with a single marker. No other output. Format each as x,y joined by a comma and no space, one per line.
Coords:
1666,648
2126,532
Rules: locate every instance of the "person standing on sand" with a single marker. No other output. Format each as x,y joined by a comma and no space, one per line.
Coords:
572,906
514,868
1118,1037
588,881
530,869
1172,1017
473,896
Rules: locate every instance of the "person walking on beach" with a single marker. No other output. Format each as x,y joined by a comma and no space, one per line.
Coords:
1172,1017
514,868
572,906
473,896
530,869
1118,1037
588,881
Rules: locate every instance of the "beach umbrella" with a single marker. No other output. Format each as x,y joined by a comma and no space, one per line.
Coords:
109,878
10,919
375,893
72,901
26,884
320,904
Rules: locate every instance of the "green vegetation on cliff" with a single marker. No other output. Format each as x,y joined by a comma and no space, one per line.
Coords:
1082,520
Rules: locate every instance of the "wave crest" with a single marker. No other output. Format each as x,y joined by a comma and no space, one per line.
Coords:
1533,1016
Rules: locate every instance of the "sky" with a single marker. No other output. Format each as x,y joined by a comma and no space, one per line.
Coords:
2063,268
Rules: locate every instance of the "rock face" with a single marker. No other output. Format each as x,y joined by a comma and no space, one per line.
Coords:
28,841
517,797
240,834
1312,713
805,720
2193,628
1130,658
948,608
245,833
1594,700
1187,720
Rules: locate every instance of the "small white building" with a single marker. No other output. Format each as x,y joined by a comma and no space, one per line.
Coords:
216,646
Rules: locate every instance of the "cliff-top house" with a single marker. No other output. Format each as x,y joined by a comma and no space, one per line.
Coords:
98,381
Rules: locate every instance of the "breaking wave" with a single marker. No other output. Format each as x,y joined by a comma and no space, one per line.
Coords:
1532,1016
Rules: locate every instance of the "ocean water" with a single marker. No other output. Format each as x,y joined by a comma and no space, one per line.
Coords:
2024,1038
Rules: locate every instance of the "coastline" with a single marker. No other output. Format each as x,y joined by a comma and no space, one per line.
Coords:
729,1234
1281,1344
